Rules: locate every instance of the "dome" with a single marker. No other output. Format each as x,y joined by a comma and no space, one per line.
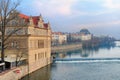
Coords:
84,31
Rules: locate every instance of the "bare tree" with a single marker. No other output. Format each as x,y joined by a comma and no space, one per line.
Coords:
19,57
8,13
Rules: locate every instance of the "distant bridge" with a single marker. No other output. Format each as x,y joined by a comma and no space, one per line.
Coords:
85,59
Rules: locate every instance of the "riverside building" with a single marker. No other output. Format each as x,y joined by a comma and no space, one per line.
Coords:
31,43
58,38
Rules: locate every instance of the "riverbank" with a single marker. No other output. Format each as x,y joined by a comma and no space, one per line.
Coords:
67,47
19,72
15,73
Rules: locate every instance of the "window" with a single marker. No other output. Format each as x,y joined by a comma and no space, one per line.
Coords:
38,55
14,23
46,44
35,57
45,54
40,43
14,44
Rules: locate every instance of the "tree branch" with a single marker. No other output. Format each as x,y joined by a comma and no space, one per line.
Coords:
14,31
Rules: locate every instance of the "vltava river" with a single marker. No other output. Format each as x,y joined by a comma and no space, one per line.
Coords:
89,70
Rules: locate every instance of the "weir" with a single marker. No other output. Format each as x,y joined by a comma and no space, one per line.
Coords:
74,60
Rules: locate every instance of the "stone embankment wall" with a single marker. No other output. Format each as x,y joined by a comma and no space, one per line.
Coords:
67,47
14,74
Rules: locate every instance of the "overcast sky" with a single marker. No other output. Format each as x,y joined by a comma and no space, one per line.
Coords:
100,17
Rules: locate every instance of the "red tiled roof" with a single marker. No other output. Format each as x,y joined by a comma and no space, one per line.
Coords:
46,25
35,20
23,16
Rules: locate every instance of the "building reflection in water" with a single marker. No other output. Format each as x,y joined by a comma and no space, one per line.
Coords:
62,55
41,74
85,52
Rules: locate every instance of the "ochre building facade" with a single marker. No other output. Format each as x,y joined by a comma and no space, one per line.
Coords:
32,42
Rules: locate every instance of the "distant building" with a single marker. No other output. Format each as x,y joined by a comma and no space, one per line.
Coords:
83,35
32,42
84,31
58,38
75,37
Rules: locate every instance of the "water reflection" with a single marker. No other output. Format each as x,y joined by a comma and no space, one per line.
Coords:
82,71
102,50
62,55
117,43
41,74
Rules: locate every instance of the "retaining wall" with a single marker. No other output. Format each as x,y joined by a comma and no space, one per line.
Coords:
14,74
67,47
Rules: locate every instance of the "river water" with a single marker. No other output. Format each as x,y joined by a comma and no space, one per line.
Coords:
87,70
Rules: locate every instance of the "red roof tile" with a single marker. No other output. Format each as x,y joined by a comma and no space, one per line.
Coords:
35,20
46,25
23,16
